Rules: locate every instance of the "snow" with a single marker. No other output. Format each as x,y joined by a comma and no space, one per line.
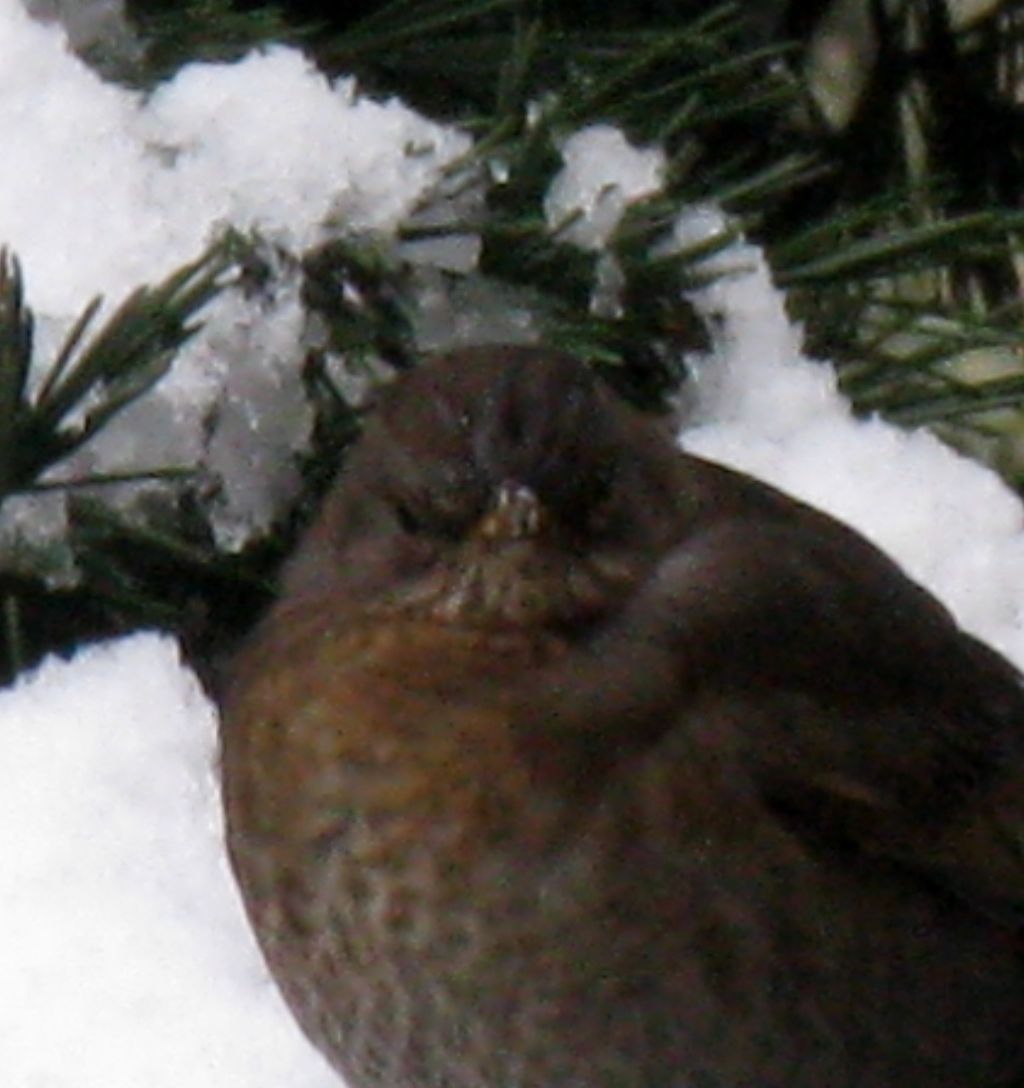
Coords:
763,407
135,186
602,174
126,956
104,189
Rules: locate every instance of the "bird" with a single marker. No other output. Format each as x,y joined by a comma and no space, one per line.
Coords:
565,759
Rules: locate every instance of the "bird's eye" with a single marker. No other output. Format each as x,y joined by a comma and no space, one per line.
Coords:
601,483
415,521
593,492
408,520
602,510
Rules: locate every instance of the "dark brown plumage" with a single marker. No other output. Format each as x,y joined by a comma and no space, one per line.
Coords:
565,760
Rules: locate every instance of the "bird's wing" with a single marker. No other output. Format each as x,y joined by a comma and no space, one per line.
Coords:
865,716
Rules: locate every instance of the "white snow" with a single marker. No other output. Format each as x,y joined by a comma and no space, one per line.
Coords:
126,956
126,959
602,175
102,189
765,408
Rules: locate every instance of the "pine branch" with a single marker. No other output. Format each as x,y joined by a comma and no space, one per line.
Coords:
87,384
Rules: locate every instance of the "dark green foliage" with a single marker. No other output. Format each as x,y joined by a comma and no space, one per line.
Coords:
178,32
87,384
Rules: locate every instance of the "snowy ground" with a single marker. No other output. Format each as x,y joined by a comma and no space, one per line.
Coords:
126,958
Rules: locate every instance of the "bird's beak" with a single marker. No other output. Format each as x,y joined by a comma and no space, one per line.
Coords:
515,515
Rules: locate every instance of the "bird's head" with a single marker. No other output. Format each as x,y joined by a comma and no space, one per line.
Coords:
500,486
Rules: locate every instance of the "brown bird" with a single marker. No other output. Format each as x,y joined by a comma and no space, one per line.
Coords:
566,760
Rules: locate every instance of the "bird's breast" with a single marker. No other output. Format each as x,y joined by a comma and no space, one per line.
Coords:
391,744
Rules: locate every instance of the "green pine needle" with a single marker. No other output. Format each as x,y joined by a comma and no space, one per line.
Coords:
87,384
